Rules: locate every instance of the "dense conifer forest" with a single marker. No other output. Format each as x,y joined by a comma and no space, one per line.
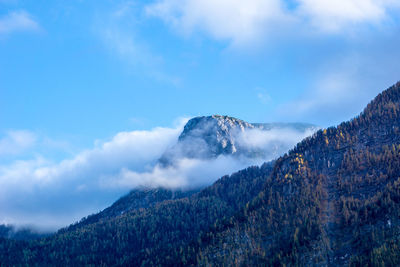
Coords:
332,200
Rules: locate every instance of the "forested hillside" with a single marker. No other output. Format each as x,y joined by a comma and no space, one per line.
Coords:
136,199
332,200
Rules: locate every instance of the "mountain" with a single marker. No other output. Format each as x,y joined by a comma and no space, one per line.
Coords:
211,136
205,138
333,200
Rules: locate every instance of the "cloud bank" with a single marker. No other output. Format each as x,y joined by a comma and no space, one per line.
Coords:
49,195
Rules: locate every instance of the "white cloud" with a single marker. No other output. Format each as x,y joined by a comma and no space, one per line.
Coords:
17,21
191,173
186,173
339,14
236,20
274,141
15,142
244,22
35,188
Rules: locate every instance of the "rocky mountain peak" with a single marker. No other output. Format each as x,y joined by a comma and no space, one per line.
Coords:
216,131
211,136
215,124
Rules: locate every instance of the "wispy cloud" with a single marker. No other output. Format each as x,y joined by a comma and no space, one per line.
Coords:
136,54
336,16
125,45
263,95
118,31
329,91
343,86
15,142
244,22
17,21
236,20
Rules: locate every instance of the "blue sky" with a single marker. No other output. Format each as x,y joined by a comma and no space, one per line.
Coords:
74,74
87,69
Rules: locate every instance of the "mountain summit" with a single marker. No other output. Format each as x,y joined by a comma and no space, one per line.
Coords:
217,132
211,136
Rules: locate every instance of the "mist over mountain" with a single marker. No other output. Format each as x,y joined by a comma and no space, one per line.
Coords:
49,195
20,233
207,146
333,200
202,141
